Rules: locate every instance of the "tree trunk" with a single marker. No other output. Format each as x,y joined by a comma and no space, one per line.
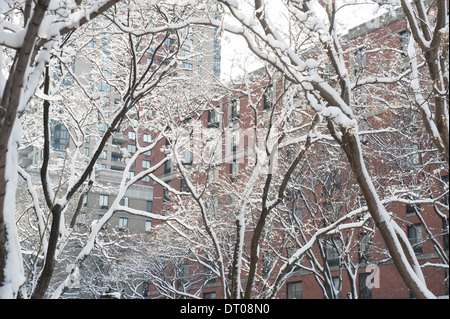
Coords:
10,102
394,242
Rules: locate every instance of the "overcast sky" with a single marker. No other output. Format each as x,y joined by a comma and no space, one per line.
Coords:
236,56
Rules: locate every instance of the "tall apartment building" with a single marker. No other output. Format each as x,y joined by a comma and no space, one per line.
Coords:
198,60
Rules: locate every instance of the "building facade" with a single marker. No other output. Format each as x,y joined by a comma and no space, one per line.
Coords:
350,264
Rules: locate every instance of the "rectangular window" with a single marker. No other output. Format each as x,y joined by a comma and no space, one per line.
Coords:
116,157
104,200
209,295
235,141
234,170
123,223
146,164
125,202
331,254
103,155
364,247
415,237
404,41
267,261
149,206
81,219
86,151
131,135
360,60
268,98
213,118
168,166
166,193
131,148
186,66
235,109
294,290
337,287
148,226
365,287
147,138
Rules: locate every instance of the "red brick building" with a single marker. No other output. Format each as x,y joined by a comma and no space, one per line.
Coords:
363,268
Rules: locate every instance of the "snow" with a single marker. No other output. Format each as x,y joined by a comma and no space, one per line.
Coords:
339,117
14,273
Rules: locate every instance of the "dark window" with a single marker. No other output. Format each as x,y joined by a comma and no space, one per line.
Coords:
360,60
415,237
213,118
294,290
59,136
149,207
235,109
268,98
331,254
364,247
365,288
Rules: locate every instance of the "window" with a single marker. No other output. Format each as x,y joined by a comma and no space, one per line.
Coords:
132,135
103,155
411,209
125,202
116,157
166,193
148,226
404,41
360,60
235,109
123,223
331,253
268,98
413,158
364,247
184,187
146,164
365,287
85,200
415,237
81,219
148,153
235,141
185,53
186,66
149,206
86,151
147,138
328,72
445,199
294,290
234,170
337,287
104,87
213,118
104,199
168,166
213,175
59,136
130,174
267,261
131,148
209,295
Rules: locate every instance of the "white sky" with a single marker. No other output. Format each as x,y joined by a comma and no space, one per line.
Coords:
236,57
